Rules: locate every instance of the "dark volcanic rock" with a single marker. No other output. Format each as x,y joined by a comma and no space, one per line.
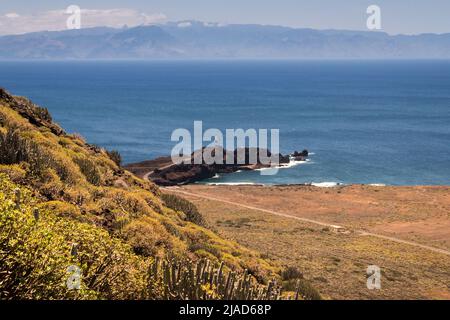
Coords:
300,156
164,173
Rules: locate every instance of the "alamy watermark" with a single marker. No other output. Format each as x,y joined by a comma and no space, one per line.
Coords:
74,20
373,277
230,148
74,272
74,279
374,19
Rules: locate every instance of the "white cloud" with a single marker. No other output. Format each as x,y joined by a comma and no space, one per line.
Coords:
13,23
12,15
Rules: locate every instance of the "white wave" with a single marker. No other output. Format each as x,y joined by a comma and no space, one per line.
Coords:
377,185
216,176
326,184
292,163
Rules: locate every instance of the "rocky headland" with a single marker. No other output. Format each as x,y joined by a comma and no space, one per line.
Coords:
164,172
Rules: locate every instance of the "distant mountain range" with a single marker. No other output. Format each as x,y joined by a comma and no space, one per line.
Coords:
193,39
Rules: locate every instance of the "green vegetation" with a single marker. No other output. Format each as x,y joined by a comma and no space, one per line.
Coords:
36,252
204,282
115,156
177,203
66,203
293,281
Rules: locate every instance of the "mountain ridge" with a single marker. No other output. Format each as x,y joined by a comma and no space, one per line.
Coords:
198,40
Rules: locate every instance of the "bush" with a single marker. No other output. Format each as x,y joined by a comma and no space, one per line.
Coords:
307,291
293,281
291,273
206,247
17,147
147,237
13,149
15,172
115,156
62,209
36,249
89,169
188,208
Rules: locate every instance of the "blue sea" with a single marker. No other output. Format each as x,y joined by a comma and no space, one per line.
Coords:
377,122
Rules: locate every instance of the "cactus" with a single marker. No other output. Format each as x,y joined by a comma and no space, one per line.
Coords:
36,214
202,281
17,198
74,250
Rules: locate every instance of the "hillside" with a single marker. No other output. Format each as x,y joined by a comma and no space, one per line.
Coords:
64,202
193,39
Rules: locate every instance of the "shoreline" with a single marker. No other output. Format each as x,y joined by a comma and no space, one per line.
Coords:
313,185
147,168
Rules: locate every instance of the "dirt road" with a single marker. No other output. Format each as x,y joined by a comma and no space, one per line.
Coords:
321,223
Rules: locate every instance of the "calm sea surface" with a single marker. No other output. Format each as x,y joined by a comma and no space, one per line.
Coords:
365,122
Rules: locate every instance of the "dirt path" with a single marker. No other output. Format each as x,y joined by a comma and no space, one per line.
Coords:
148,174
321,223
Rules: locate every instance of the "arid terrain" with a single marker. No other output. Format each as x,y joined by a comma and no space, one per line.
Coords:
333,234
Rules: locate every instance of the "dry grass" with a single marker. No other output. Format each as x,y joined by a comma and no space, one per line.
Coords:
336,263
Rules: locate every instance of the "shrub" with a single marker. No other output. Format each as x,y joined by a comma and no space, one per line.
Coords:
13,148
15,172
43,113
90,170
17,147
188,208
62,209
78,139
147,237
291,273
293,281
307,291
115,156
206,247
36,250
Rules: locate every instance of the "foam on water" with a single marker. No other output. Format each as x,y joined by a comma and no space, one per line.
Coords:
292,163
326,184
233,184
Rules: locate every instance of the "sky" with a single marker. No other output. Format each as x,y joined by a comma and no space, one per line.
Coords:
398,16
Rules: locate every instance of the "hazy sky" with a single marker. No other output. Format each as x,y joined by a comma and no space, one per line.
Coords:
398,16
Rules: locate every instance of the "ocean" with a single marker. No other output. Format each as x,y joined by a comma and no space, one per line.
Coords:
365,122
